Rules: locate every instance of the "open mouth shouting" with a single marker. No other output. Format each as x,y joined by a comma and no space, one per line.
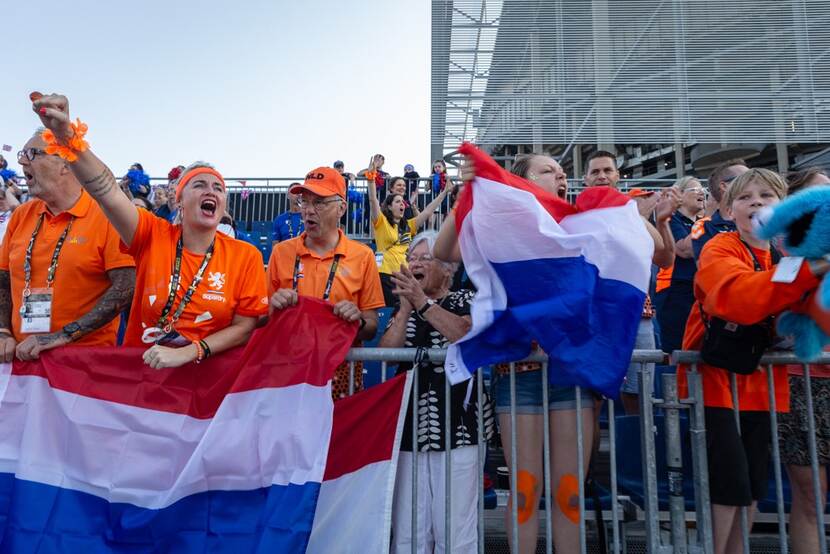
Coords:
562,191
208,207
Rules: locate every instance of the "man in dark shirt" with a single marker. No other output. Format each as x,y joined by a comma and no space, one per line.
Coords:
707,227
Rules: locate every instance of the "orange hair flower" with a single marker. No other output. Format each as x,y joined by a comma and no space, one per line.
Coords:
74,145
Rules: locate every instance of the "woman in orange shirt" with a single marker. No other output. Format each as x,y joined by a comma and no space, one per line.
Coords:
734,283
198,292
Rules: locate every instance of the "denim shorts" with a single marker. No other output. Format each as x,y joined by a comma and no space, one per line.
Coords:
529,394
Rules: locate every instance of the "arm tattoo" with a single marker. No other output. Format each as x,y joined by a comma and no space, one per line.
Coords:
114,301
100,185
5,300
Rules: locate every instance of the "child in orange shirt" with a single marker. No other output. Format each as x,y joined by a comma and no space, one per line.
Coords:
727,286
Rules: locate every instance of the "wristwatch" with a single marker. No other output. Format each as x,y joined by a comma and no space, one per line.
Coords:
427,305
72,331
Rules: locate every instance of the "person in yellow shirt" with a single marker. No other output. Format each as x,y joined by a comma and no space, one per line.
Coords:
393,233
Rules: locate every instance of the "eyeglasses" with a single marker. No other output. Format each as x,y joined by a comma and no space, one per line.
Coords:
316,205
426,258
30,154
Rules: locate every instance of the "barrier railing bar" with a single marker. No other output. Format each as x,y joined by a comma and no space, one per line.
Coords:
546,461
674,463
776,467
612,437
382,372
653,543
351,377
514,486
811,442
438,355
415,416
700,467
580,471
736,410
482,455
447,467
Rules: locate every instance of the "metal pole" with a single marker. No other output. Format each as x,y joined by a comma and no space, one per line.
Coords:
482,455
736,409
776,464
700,467
382,372
811,443
514,486
649,455
674,463
546,454
580,473
351,378
447,466
612,437
414,404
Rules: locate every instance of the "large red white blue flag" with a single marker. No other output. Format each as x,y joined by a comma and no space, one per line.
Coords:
245,452
572,277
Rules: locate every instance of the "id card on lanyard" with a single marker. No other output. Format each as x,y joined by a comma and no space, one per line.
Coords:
36,308
36,313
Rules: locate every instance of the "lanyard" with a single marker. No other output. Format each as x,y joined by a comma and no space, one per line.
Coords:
53,266
163,323
329,282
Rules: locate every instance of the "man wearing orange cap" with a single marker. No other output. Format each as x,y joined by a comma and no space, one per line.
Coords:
324,263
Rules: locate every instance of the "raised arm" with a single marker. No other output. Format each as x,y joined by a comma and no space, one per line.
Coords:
374,205
95,177
430,208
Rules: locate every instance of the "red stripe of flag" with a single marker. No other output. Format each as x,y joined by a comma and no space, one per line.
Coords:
303,344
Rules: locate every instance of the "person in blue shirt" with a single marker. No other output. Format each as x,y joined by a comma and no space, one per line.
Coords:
674,295
288,224
707,227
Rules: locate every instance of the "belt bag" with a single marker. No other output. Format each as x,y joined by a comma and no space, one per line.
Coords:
734,347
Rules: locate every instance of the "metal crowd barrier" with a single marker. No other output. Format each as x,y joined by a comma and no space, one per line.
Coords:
662,531
768,362
258,200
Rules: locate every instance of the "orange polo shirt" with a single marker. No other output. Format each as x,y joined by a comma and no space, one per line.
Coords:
89,251
356,280
233,282
729,288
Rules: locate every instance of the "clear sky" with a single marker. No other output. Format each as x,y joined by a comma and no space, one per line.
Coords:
258,88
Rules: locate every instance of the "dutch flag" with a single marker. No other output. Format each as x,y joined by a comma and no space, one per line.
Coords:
245,452
572,277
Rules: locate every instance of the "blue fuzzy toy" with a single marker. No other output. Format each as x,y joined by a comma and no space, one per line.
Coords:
139,182
802,221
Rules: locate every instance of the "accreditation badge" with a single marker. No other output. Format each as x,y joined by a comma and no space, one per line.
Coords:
36,311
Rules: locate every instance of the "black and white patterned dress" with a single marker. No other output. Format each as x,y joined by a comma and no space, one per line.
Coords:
431,389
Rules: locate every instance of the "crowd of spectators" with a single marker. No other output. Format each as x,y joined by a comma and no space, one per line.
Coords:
163,258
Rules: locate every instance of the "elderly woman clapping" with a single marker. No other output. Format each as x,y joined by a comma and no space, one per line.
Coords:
430,316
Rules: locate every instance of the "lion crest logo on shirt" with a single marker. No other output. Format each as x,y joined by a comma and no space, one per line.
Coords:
216,280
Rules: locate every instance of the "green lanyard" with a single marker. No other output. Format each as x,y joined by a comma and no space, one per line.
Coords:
165,324
53,266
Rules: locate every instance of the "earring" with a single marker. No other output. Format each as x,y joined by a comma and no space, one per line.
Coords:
532,176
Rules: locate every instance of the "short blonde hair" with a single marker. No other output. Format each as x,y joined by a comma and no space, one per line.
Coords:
763,176
685,182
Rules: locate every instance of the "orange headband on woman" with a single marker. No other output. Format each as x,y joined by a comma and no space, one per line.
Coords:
183,180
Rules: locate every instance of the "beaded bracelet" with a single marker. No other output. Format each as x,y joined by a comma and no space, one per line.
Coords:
205,348
68,151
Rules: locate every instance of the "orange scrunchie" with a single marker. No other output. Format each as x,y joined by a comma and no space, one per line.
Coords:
76,144
371,175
